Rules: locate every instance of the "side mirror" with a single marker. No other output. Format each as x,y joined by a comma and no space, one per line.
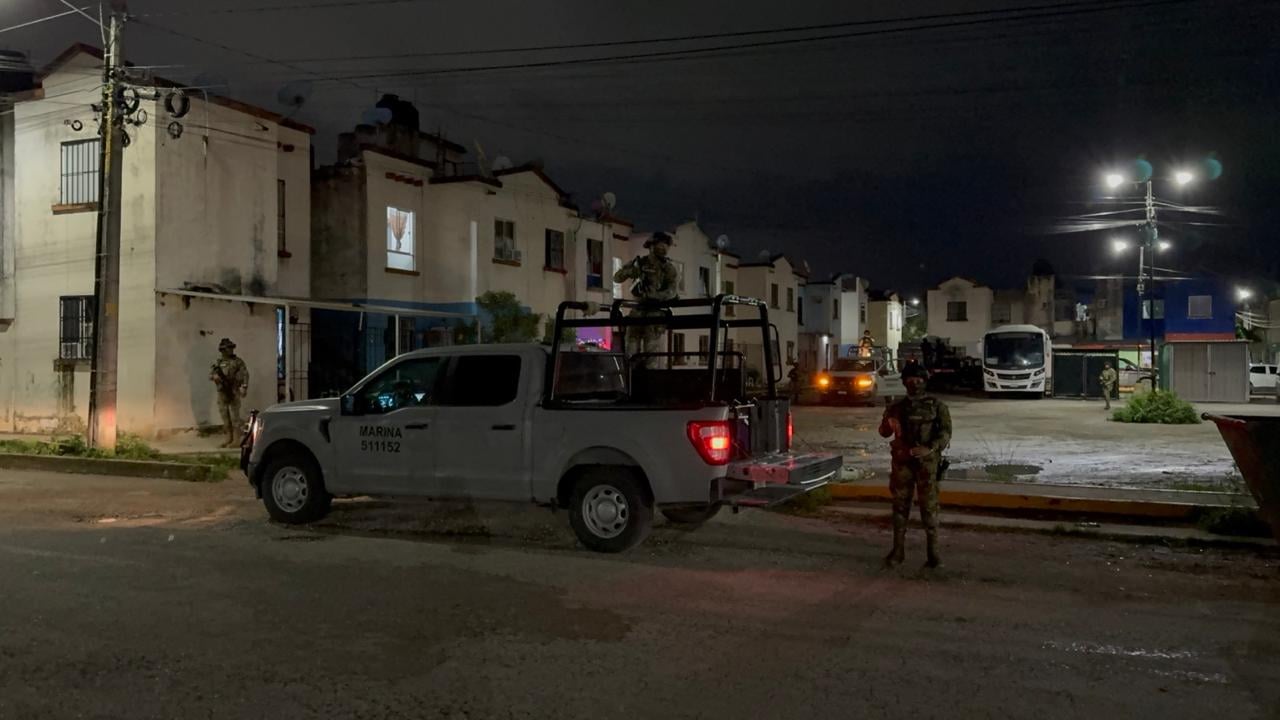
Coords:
349,405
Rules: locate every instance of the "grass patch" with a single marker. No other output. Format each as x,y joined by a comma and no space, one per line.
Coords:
1233,521
1158,406
128,447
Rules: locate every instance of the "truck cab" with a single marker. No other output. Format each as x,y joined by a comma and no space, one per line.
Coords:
601,434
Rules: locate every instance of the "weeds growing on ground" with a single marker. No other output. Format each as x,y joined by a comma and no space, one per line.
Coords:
810,502
128,447
1157,406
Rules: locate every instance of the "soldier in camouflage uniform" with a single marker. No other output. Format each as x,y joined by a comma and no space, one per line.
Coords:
231,378
920,426
656,280
1108,378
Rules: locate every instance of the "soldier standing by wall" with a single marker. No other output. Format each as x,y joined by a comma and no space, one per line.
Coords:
1108,378
920,426
230,377
656,280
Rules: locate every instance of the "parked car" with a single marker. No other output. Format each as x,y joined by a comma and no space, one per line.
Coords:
1131,375
860,380
1262,378
606,436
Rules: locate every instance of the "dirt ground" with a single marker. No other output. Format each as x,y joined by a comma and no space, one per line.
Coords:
1044,440
147,599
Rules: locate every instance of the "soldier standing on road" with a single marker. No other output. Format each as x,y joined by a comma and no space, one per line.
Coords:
920,426
656,280
1108,378
231,378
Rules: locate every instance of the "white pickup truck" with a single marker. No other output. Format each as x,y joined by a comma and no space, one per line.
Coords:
607,436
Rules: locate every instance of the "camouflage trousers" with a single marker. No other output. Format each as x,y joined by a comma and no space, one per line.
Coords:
646,339
914,477
229,409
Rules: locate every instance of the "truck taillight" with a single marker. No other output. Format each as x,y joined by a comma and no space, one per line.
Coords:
791,430
712,440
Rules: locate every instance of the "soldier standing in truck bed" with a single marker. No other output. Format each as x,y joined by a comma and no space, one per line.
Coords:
656,280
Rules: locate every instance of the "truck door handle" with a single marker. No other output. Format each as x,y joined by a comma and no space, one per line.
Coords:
416,426
503,427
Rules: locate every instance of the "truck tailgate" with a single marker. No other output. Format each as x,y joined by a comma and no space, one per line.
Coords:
776,477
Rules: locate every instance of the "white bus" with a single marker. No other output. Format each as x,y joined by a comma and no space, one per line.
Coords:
1017,359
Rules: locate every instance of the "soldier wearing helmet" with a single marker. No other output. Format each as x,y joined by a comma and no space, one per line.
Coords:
920,428
230,377
656,280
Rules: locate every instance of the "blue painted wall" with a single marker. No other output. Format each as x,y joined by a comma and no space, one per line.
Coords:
1176,296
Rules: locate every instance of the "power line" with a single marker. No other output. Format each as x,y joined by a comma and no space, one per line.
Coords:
1016,14
283,8
692,37
29,23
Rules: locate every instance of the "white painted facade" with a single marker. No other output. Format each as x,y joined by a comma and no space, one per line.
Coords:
836,313
960,313
886,315
199,210
776,282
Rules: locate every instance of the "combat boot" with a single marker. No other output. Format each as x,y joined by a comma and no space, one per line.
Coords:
933,558
899,551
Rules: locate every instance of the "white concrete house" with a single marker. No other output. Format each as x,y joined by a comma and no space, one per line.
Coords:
960,313
885,316
224,207
835,314
776,281
398,224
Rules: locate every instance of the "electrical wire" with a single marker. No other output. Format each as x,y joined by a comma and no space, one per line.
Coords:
29,23
285,8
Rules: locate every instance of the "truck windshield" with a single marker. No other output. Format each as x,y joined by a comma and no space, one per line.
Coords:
1011,351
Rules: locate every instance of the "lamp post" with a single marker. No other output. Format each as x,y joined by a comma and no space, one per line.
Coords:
1147,247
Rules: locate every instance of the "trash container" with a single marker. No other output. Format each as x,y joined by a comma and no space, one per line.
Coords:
1254,442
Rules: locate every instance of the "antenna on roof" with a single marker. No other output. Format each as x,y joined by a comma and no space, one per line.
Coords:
502,162
722,243
482,162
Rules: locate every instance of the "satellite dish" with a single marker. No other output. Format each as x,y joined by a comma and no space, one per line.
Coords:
502,162
722,242
294,94
610,200
376,116
764,255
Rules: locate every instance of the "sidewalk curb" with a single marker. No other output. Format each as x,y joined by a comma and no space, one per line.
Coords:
99,466
1030,501
1137,534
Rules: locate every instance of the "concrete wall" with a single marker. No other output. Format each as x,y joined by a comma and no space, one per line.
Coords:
53,256
886,318
339,261
966,334
293,165
756,281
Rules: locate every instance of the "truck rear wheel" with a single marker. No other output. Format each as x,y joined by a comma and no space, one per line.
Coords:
609,510
691,517
293,490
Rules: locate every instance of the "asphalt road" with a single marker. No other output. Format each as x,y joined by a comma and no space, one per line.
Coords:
147,599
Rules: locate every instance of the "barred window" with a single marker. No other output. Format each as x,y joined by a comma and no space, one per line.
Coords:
75,327
79,172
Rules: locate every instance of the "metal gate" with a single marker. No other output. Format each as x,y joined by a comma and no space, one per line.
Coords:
1075,373
1210,371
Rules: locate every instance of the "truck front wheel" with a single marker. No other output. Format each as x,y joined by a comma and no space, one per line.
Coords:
293,490
609,510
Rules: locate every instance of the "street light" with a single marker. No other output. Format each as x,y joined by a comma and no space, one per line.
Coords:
1243,294
1119,245
1163,245
915,301
1114,180
1182,177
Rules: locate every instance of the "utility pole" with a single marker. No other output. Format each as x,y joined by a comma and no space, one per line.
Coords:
1149,250
106,281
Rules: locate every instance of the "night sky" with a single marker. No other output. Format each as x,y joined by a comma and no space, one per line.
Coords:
905,156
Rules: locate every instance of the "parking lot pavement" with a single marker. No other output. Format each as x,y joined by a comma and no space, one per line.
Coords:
148,599
1044,440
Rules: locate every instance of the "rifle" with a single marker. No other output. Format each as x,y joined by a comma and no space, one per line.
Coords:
223,382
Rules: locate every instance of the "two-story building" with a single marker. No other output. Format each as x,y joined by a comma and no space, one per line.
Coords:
400,222
960,313
214,223
776,281
885,317
836,312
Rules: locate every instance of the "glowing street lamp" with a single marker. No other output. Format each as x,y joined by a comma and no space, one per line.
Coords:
1118,246
915,301
1182,177
1114,180
1163,245
1243,294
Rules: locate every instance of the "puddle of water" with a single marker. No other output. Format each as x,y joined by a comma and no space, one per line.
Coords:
1012,469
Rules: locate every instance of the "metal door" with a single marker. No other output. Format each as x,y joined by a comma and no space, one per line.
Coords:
1093,366
1189,375
1228,372
1068,375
